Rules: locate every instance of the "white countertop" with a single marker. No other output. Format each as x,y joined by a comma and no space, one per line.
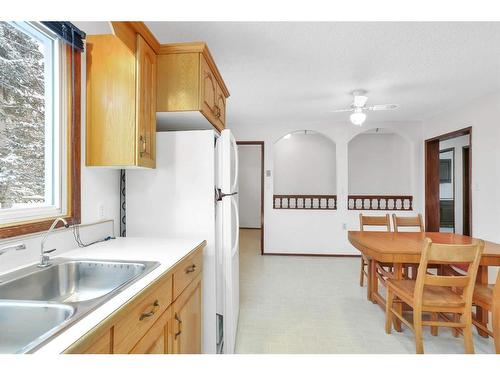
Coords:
164,250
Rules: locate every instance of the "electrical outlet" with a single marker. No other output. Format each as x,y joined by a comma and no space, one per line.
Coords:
101,211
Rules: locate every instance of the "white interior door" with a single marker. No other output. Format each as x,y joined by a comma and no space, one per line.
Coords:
230,237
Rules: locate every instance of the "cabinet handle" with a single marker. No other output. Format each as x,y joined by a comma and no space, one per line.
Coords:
176,317
216,111
150,313
142,140
191,268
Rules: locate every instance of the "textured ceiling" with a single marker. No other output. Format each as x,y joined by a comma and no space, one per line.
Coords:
294,72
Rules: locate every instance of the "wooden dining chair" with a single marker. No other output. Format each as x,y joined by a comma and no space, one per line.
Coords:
488,297
403,222
407,222
373,221
437,294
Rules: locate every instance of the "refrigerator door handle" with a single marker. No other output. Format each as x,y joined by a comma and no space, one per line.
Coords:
219,194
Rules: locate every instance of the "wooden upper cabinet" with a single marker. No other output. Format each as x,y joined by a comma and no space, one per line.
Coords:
220,102
208,91
121,102
188,81
146,104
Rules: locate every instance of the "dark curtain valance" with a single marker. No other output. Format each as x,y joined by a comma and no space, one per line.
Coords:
67,32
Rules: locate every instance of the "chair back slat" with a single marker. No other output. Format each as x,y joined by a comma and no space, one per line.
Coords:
449,254
407,222
449,281
375,221
452,254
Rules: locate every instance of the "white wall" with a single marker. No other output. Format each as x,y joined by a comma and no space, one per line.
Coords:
249,185
99,188
324,232
454,190
482,114
372,156
304,164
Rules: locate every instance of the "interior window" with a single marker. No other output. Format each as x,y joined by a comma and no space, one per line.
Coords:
32,140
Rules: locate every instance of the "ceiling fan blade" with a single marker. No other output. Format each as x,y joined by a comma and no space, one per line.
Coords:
341,110
383,107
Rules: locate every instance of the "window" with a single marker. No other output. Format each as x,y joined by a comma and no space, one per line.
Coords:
36,159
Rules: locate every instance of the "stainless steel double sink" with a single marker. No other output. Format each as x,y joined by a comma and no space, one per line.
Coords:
36,304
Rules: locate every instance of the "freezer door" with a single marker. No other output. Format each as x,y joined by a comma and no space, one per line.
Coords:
227,167
231,267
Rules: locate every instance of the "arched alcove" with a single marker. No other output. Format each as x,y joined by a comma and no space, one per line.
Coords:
379,165
305,165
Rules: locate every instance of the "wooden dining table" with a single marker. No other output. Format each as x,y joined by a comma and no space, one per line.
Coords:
400,248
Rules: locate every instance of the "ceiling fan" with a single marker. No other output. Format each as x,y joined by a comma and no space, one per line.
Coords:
358,107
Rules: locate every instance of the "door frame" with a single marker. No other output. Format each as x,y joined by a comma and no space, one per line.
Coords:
431,172
261,144
466,191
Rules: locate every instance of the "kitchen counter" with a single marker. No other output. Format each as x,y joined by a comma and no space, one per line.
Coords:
166,251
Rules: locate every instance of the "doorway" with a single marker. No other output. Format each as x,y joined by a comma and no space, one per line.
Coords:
251,186
447,182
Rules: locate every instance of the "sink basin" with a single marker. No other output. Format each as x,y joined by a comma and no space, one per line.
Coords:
36,304
71,281
24,324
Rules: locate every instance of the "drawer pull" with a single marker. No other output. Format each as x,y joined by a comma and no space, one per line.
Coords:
150,313
191,268
176,317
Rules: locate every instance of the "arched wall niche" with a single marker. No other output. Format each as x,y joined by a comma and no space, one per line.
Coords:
304,163
380,165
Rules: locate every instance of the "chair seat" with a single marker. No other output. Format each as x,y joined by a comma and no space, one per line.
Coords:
433,296
483,295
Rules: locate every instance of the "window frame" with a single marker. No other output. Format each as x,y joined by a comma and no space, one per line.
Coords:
67,125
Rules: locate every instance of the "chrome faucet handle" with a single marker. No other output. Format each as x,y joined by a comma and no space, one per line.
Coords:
16,247
49,251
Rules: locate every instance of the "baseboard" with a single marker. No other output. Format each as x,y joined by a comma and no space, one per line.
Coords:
316,255
250,228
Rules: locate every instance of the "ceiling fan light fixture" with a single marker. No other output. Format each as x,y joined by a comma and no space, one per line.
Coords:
360,100
358,117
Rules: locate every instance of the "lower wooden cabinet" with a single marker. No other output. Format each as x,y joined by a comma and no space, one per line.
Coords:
158,340
155,321
187,322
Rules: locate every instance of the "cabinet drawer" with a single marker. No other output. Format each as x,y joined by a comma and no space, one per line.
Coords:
137,320
157,339
187,271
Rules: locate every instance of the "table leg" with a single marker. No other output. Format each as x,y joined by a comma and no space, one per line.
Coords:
373,280
482,314
369,279
398,275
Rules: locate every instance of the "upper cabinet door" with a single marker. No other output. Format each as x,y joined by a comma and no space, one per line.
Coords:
208,91
221,108
146,104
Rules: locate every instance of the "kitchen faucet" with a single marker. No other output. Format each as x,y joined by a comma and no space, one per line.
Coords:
44,258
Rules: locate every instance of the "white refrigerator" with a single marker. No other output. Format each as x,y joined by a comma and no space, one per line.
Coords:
192,193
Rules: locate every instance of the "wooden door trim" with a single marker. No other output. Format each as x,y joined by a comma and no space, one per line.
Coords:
468,188
443,137
262,153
